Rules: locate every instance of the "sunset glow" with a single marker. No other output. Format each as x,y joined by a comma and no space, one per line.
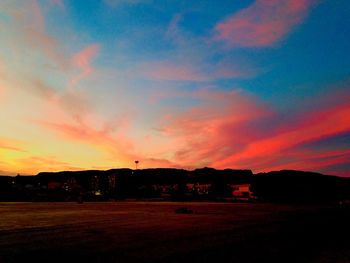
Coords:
251,84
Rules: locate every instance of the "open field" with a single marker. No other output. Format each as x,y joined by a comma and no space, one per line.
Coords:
153,232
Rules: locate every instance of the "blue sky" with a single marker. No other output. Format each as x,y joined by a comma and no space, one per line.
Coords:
242,84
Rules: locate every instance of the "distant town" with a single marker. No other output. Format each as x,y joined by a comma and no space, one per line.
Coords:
176,184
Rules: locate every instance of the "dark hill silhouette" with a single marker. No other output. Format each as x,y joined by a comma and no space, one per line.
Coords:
275,186
300,186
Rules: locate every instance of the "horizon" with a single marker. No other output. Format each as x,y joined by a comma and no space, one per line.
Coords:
89,85
173,168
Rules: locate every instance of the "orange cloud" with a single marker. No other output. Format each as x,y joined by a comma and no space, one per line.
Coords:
263,23
118,146
12,145
35,164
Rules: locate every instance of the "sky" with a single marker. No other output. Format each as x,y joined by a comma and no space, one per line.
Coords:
248,84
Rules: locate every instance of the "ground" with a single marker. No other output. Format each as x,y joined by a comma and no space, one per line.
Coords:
154,232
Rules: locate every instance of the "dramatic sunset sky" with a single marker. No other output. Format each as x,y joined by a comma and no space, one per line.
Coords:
257,84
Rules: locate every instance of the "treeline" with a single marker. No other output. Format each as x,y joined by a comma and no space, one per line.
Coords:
301,187
176,184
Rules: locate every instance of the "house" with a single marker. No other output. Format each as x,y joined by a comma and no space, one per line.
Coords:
54,185
241,191
199,188
70,184
112,182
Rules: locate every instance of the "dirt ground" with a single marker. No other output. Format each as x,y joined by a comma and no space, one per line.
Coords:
154,232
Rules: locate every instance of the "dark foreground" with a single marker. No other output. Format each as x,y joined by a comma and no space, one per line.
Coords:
153,232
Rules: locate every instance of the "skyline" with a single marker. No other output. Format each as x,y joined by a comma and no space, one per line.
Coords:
261,85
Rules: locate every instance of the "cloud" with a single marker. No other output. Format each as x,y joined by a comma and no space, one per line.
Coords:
58,103
41,89
313,127
118,145
213,129
83,61
43,66
232,129
188,139
6,173
191,59
157,163
263,23
312,160
26,30
11,145
173,27
35,164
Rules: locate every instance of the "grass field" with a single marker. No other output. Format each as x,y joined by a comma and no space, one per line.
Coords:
153,232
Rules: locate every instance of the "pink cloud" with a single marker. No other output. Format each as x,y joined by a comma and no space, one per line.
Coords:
263,23
83,61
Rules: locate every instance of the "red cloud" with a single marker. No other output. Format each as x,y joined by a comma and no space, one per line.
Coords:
212,130
263,23
327,123
234,130
312,161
